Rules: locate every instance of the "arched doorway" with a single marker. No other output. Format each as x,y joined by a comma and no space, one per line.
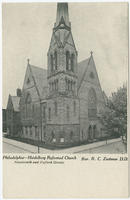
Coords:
90,132
94,131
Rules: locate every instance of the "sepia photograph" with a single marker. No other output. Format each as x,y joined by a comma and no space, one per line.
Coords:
65,76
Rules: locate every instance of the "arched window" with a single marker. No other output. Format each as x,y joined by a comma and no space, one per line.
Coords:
69,84
67,60
55,60
94,131
74,107
57,84
52,135
68,112
71,135
49,113
44,112
92,103
53,139
89,132
55,105
82,134
52,86
28,105
51,57
72,62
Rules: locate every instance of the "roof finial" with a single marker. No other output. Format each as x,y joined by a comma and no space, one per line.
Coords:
91,52
28,61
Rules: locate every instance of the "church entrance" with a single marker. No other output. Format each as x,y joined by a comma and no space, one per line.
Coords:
92,132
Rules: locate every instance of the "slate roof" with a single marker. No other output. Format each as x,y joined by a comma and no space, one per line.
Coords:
40,76
15,101
82,67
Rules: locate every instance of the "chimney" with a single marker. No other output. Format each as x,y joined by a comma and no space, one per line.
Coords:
19,92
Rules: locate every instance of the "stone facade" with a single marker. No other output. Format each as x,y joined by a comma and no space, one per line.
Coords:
62,105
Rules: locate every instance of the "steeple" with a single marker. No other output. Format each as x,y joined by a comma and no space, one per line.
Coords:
62,56
62,13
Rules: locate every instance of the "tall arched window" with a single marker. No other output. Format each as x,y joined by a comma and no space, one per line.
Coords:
68,112
52,68
28,105
49,113
55,105
92,103
74,107
72,62
55,60
71,135
67,60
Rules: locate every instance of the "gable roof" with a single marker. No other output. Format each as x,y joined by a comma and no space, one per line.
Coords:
40,76
15,101
82,67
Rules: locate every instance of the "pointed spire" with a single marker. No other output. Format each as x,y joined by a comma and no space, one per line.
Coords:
62,12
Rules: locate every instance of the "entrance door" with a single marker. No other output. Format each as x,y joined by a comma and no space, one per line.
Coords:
94,131
90,132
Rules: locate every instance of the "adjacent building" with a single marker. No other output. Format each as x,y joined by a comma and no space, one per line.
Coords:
13,115
4,127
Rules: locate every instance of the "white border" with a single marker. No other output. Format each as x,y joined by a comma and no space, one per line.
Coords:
34,1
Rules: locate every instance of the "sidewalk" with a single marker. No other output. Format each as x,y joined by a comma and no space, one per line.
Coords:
34,149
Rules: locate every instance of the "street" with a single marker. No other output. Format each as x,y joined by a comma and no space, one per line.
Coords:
117,147
9,148
113,146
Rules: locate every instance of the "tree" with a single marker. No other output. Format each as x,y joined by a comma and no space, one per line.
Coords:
114,117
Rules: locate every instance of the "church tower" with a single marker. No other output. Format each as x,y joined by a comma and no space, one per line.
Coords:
62,56
62,102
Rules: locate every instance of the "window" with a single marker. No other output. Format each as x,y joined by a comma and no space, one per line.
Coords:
68,112
36,131
44,112
92,103
55,105
53,139
82,134
72,62
26,130
55,60
28,105
44,131
28,81
49,113
67,60
71,135
74,107
92,75
68,84
33,109
51,57
89,132
62,140
31,130
56,84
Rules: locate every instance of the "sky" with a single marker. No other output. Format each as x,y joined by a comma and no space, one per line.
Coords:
98,27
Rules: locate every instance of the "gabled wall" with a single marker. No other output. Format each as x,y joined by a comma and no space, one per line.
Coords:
31,122
90,81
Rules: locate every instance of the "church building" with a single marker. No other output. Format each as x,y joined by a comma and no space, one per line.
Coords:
62,105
